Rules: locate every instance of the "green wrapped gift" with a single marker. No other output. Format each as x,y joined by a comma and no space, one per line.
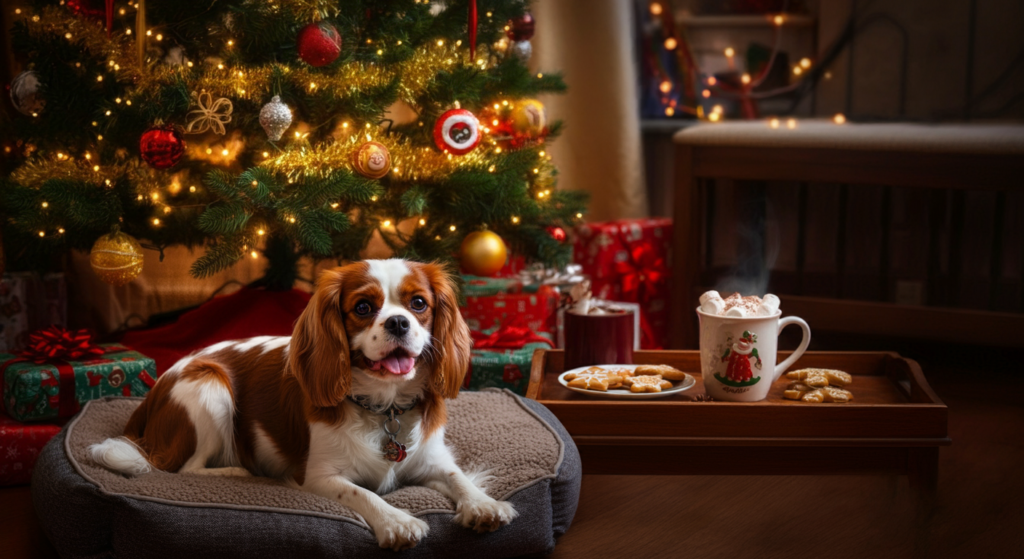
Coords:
478,286
504,368
62,370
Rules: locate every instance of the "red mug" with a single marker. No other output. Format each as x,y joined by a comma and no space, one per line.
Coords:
598,339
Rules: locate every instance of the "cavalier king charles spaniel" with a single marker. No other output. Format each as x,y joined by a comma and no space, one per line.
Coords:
349,407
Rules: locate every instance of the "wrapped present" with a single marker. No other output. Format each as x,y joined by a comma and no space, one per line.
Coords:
502,357
537,310
60,370
629,261
20,445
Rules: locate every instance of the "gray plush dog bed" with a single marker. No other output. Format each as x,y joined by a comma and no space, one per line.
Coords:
88,511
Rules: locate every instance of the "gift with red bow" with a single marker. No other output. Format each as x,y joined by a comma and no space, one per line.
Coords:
501,356
59,370
629,261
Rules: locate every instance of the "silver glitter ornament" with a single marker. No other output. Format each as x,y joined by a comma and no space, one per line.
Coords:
522,50
275,118
25,94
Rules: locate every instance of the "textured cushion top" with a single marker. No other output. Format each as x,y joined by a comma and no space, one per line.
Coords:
996,139
489,430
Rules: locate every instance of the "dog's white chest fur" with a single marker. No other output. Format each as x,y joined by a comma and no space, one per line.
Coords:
356,447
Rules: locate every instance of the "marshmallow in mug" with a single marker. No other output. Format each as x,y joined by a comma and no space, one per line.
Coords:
737,305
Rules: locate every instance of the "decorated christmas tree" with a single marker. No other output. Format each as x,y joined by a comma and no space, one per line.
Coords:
289,128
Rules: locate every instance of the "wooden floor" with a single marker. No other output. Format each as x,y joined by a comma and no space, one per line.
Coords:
978,512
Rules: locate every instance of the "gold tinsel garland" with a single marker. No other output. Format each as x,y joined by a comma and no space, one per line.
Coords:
408,162
308,10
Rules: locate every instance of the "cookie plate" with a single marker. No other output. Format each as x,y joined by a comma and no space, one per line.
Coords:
624,393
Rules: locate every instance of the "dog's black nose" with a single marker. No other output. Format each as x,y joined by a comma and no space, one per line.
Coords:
398,325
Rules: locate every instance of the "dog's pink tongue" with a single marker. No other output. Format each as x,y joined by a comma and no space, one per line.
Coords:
397,365
405,364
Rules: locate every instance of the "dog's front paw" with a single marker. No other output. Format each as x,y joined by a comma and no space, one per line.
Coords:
484,515
400,531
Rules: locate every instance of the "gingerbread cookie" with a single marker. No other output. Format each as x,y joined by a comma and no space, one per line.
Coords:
832,377
596,378
647,383
828,394
666,372
796,390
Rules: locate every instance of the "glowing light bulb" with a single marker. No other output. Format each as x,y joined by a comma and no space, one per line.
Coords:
60,230
706,93
665,86
714,117
671,43
579,216
46,204
167,209
224,152
656,9
730,52
254,254
774,123
42,233
805,63
745,78
261,232
778,20
840,118
515,219
423,221
192,189
451,228
791,123
712,80
669,111
797,70
156,221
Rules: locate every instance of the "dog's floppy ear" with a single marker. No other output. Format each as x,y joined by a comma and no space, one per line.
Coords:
319,355
451,340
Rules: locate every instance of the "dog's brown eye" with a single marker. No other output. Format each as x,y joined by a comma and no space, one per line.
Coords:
363,308
418,304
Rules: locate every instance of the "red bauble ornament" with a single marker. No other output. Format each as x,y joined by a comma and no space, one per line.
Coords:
457,131
319,44
557,233
162,146
520,28
88,9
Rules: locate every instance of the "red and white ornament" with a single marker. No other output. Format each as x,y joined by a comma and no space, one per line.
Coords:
162,146
457,132
319,44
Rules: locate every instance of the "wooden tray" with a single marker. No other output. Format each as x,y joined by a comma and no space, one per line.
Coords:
896,422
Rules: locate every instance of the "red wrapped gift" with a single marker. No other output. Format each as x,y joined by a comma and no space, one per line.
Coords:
536,311
20,444
629,260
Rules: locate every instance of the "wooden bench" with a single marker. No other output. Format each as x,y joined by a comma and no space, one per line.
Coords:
959,157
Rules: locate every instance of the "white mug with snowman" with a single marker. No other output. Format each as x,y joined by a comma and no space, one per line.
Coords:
739,339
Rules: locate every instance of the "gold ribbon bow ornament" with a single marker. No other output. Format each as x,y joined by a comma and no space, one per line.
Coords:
211,115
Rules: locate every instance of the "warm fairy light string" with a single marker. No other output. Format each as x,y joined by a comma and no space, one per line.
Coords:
410,163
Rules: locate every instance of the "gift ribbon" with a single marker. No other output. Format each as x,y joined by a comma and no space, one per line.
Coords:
513,335
640,277
56,346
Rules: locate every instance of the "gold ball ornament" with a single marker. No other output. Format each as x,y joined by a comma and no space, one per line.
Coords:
372,160
528,116
116,258
482,253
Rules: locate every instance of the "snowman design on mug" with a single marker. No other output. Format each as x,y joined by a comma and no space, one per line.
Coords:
739,371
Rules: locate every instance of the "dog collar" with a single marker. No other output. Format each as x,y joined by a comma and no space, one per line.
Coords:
393,450
392,410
